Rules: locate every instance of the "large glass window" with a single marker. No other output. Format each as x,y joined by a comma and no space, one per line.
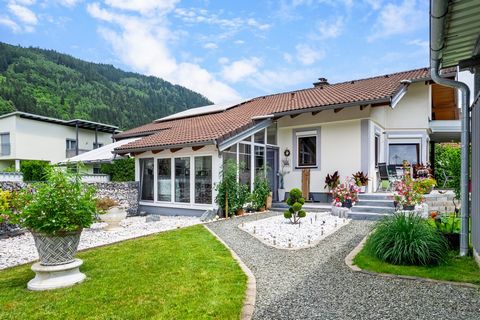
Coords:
245,163
400,152
230,153
307,151
259,137
146,176
259,161
182,179
272,134
164,180
203,179
4,144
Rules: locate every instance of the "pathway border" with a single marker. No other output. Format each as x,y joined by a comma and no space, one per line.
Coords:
349,262
250,295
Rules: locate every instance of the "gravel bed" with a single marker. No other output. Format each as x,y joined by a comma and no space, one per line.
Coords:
281,233
21,249
315,283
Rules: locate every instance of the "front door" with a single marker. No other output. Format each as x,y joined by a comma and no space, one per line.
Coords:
272,170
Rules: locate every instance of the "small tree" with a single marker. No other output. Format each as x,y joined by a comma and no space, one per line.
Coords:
227,188
261,190
295,201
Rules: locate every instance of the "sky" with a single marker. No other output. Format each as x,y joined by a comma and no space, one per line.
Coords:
229,50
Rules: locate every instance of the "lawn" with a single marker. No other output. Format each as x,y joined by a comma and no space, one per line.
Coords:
459,269
181,274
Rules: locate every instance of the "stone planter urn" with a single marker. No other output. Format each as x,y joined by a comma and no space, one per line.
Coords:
58,267
281,195
113,217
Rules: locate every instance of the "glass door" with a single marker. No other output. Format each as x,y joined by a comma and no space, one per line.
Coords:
272,170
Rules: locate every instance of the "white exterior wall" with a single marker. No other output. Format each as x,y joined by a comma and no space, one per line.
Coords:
39,140
185,152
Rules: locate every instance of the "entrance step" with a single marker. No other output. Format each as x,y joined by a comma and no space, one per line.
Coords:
373,206
357,208
375,203
375,196
367,215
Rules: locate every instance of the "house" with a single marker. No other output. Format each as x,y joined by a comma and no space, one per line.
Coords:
26,136
455,42
350,126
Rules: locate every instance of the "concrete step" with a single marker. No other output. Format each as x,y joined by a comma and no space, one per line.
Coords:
367,215
375,203
375,196
357,208
282,206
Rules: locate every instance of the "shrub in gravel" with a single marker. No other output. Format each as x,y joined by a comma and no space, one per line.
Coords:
407,239
295,201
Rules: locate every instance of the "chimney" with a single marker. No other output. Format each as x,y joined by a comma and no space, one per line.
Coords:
321,82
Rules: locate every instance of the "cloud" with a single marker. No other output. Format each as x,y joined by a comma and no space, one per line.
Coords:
307,55
375,4
23,13
68,3
142,42
6,21
239,42
330,29
398,19
210,46
423,44
287,57
145,7
240,69
283,78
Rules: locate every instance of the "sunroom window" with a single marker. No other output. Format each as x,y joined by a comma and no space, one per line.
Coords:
164,180
203,180
182,179
146,172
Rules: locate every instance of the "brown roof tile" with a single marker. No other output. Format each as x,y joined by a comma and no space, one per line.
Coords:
214,126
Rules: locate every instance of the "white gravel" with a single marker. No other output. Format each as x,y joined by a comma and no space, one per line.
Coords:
21,249
281,233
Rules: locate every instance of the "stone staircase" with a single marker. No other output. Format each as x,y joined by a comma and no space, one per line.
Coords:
372,206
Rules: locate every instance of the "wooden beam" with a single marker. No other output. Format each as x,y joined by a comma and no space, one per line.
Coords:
137,153
337,110
294,115
173,150
157,151
196,148
314,113
362,107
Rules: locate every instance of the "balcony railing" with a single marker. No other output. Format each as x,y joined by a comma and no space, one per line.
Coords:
72,152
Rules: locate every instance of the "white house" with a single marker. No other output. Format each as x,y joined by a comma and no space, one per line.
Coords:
347,127
25,136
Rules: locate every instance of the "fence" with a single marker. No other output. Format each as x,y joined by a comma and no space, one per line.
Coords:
11,176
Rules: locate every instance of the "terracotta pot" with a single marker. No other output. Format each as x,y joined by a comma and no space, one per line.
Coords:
268,204
57,249
240,212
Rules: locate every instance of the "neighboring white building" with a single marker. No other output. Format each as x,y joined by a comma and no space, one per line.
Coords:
25,136
346,127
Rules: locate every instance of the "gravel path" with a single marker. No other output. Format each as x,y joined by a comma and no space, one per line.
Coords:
21,249
315,283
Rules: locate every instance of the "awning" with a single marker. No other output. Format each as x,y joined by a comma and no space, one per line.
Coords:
100,155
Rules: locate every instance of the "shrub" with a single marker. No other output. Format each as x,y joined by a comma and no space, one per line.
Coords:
5,199
35,170
227,188
424,185
295,201
120,170
448,160
261,190
407,239
62,203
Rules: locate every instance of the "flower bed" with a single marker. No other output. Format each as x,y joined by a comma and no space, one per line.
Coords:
281,233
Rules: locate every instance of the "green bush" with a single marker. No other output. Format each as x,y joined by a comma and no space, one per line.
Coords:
295,201
261,190
231,195
120,170
407,239
448,160
62,203
34,170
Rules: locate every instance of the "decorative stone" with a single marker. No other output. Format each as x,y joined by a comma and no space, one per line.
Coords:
55,277
340,212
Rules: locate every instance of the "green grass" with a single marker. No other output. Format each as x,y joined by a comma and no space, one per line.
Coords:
181,274
458,269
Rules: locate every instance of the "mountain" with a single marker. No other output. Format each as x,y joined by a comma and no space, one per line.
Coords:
57,85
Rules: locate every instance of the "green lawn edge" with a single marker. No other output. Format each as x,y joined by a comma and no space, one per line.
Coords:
455,269
178,274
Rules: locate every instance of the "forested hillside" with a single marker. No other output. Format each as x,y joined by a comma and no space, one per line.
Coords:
52,84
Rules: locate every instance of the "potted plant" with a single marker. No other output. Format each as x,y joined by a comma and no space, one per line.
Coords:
111,213
424,185
406,195
281,181
345,194
241,198
260,193
56,212
227,188
332,181
361,180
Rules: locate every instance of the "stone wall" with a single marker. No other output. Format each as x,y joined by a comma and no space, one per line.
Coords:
441,202
125,193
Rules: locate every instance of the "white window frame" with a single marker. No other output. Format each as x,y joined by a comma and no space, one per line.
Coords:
305,134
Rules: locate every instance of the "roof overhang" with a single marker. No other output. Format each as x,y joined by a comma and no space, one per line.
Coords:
164,147
227,143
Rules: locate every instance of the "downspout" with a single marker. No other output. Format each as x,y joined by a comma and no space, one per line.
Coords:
438,12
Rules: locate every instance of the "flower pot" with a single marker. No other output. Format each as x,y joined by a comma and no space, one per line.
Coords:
262,209
240,212
363,189
347,203
57,249
453,240
113,218
408,208
268,204
281,195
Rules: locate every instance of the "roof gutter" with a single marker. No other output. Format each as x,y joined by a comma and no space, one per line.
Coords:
438,13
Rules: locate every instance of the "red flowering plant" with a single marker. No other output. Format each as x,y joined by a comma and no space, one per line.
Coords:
406,194
345,192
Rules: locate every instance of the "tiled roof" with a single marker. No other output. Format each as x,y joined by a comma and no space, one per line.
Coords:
209,127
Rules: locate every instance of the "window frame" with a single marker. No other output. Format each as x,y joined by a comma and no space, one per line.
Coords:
306,132
418,150
6,146
68,143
